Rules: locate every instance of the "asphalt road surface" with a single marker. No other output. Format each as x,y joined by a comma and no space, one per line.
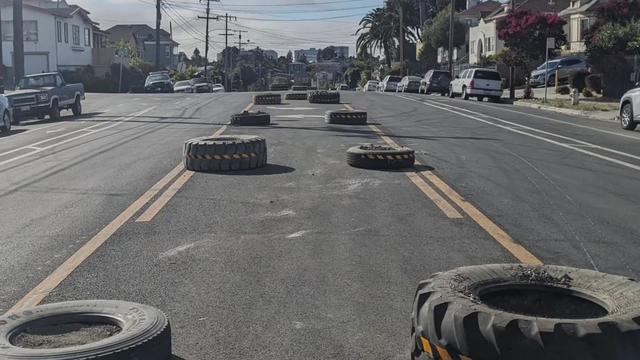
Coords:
307,258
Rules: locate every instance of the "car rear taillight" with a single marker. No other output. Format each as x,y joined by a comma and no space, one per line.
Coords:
471,84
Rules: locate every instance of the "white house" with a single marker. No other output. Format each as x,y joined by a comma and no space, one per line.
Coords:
57,36
580,15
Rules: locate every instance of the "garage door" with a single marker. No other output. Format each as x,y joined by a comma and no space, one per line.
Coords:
36,63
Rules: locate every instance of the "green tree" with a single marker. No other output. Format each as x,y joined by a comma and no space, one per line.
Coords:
197,59
328,53
436,35
352,76
289,56
246,74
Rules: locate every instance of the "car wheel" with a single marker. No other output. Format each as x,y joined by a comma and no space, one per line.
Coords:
77,107
551,81
626,117
451,94
465,95
54,112
6,122
481,98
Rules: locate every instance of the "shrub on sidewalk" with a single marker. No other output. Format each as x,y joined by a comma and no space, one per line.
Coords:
528,91
587,93
594,83
563,90
577,80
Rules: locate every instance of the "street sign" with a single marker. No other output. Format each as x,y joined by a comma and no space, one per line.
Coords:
551,43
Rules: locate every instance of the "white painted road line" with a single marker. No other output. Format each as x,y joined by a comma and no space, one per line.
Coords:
84,132
516,130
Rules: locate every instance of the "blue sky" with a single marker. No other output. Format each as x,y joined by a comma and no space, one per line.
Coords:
271,24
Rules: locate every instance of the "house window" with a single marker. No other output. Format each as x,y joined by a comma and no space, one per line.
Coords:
87,37
473,46
29,30
489,44
76,34
167,52
583,26
59,31
66,33
575,3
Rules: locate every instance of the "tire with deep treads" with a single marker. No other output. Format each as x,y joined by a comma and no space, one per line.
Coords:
279,87
225,153
296,96
299,88
324,97
346,117
267,99
145,331
251,119
380,157
523,312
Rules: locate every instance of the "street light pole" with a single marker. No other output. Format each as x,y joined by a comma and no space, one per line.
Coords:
451,20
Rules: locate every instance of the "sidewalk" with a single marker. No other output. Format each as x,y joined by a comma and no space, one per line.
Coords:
594,108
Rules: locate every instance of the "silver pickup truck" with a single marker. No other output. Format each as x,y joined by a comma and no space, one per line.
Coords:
45,94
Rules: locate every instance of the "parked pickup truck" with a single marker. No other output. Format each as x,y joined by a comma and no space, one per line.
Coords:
45,94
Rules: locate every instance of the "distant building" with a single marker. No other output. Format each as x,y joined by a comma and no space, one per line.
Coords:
143,37
580,15
342,51
311,55
271,54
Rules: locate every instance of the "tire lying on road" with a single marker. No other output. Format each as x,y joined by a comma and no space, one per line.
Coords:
247,118
526,312
324,97
299,88
225,153
346,117
97,329
295,96
267,99
380,157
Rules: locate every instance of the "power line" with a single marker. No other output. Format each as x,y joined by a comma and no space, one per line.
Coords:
287,4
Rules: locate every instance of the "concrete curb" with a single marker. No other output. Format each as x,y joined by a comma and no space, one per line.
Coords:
587,114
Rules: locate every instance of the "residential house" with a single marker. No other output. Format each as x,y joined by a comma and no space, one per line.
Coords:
57,36
271,54
580,15
483,38
143,37
342,51
475,11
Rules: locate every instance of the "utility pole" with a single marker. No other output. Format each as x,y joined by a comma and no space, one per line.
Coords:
1,59
451,20
227,57
512,85
158,20
206,40
401,38
240,38
18,41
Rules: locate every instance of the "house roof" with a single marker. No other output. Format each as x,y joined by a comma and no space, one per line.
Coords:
543,6
486,7
139,32
589,5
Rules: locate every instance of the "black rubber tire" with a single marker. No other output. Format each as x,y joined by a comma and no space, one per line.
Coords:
449,313
495,99
41,117
465,94
77,107
279,87
296,96
324,97
225,153
631,124
346,117
299,88
380,157
451,94
267,99
54,112
145,335
251,119
480,98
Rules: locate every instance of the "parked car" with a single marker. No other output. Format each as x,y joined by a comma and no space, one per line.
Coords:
217,88
409,84
183,87
435,81
630,108
45,94
389,83
5,124
479,83
158,82
371,85
564,66
342,87
201,85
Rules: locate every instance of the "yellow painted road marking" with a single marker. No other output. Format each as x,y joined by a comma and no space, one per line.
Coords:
249,107
348,107
35,296
164,199
517,250
426,346
222,129
444,354
440,202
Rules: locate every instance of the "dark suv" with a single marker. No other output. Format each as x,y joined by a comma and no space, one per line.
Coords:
435,81
159,82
